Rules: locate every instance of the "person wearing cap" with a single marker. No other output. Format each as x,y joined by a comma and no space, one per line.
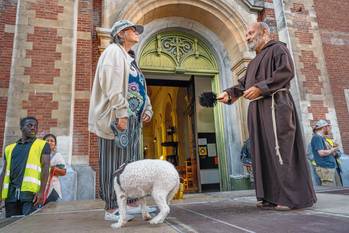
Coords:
330,143
323,155
118,98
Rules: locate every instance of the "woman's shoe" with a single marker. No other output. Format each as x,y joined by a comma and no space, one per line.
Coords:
282,208
138,210
114,216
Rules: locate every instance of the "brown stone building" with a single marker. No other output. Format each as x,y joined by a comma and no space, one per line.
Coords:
49,50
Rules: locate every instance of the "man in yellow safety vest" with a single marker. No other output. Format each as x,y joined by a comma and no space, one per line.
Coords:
25,171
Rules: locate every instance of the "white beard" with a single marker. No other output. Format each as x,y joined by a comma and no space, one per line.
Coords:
252,46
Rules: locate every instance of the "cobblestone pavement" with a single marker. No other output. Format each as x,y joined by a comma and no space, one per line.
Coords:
205,212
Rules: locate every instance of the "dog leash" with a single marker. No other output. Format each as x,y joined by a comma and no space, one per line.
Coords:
122,167
118,172
273,116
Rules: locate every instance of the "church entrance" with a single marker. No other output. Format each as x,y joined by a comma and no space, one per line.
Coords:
181,131
178,68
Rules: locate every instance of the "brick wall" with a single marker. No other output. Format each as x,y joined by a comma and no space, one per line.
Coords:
41,106
43,55
333,23
267,15
7,21
40,79
316,100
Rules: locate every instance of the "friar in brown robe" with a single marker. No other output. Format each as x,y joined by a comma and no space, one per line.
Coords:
282,178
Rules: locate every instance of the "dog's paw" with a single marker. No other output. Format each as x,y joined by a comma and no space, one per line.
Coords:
146,216
117,225
156,221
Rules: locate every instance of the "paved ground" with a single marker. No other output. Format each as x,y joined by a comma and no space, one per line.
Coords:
209,212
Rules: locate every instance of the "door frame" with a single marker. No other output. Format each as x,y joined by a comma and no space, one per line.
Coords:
182,53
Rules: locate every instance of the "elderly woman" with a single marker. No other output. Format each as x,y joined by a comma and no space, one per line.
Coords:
118,100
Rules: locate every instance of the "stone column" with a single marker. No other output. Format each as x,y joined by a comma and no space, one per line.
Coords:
83,79
239,177
109,9
104,38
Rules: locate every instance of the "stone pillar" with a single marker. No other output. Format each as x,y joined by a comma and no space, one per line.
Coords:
240,177
104,38
69,185
109,9
86,180
83,79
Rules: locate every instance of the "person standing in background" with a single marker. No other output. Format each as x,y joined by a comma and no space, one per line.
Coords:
26,169
54,189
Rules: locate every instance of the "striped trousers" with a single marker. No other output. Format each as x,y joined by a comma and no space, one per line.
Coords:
112,157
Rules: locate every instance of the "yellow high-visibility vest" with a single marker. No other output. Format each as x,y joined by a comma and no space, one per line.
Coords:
32,173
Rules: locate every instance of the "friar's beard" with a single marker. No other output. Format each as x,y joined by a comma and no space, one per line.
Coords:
252,45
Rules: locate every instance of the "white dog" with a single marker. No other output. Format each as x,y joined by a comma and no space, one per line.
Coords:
157,178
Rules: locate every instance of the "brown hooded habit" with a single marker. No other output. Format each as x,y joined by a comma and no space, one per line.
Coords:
285,179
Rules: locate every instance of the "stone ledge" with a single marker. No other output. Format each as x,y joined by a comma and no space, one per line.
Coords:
254,5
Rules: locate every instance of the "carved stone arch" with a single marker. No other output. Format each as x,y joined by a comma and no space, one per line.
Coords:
228,19
177,52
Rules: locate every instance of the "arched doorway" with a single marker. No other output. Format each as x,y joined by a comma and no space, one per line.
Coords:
221,26
178,67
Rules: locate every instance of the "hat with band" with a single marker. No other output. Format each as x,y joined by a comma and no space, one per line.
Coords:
321,123
123,24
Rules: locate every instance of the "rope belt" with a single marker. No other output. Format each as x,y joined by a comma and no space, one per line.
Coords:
277,147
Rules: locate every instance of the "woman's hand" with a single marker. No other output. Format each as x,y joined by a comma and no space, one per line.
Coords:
122,123
146,117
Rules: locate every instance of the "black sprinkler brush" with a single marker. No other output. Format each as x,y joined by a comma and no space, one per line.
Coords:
208,99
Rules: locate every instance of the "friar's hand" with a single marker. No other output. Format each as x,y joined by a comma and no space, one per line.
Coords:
225,98
252,93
